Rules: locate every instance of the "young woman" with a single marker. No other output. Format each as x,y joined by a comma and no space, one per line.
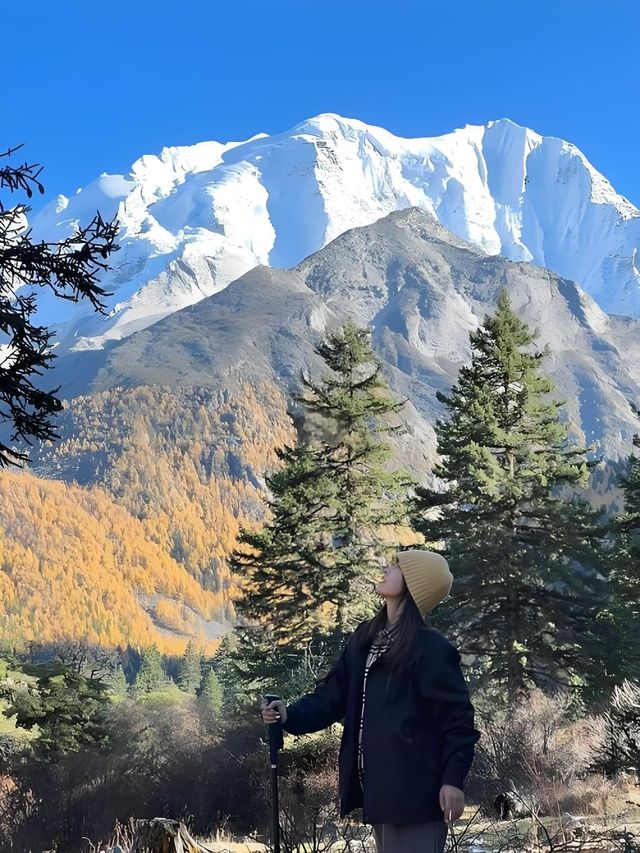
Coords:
409,736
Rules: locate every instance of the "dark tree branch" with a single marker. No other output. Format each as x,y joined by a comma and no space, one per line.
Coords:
71,269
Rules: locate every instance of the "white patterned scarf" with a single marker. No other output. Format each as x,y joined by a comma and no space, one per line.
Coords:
381,643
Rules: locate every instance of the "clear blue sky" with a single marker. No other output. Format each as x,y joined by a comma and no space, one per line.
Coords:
89,87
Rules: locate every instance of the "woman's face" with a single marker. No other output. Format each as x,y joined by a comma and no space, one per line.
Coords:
393,584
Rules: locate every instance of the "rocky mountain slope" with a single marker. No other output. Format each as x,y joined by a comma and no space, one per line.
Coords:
422,289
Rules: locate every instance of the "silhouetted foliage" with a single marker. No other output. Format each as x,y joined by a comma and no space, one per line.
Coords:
70,269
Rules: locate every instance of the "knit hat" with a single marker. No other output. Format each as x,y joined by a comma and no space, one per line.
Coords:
427,576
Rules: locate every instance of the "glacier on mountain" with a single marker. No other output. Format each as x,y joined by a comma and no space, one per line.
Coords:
195,218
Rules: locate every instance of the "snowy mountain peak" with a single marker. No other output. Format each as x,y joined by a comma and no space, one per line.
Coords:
195,217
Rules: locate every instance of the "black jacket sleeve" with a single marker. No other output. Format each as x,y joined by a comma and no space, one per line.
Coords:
443,687
326,705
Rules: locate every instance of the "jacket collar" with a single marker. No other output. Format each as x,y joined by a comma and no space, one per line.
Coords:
392,628
386,634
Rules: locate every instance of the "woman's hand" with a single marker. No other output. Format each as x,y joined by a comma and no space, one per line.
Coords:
451,802
274,712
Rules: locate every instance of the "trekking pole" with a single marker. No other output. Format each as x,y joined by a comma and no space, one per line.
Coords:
275,743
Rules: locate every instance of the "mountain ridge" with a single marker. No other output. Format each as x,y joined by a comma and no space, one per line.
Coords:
422,290
195,218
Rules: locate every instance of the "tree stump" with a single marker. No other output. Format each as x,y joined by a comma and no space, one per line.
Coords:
161,835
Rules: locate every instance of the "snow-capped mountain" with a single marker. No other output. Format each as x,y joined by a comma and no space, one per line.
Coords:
197,217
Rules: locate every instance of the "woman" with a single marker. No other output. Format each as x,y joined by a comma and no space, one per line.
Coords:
409,736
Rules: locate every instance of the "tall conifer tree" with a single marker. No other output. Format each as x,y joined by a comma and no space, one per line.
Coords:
151,675
190,669
307,573
621,617
351,408
627,528
211,689
521,546
283,569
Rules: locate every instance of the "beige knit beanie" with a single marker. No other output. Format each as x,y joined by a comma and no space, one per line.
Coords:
427,576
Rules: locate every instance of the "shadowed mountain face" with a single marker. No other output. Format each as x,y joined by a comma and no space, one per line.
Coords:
422,289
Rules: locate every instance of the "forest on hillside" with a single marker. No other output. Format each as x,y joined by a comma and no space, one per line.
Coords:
180,736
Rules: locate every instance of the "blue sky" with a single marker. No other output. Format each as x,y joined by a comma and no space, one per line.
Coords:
94,86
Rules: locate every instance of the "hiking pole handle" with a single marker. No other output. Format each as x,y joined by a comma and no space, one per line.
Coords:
274,730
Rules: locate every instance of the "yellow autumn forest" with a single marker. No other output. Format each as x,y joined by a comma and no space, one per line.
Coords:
121,532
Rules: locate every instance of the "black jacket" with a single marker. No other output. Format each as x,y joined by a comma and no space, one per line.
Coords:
418,731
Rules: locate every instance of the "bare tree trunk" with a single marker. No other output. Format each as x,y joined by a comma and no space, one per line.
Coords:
161,835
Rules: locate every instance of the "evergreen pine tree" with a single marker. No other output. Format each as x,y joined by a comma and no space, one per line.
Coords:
621,744
352,408
308,570
67,708
627,529
255,663
211,691
620,618
307,573
283,566
151,675
118,682
190,669
226,670
522,548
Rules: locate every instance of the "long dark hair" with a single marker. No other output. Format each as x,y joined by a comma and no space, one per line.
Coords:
402,651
